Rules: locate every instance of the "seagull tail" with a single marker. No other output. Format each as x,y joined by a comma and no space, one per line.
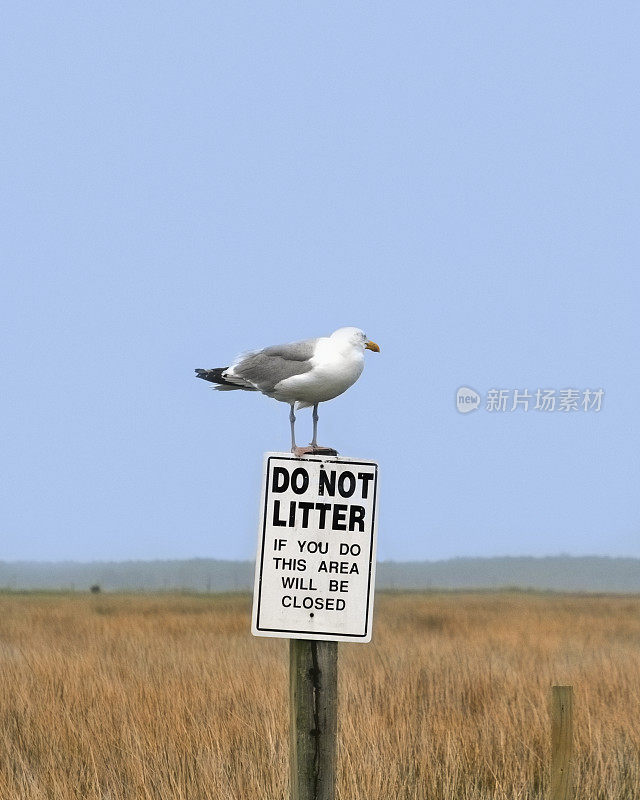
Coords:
215,376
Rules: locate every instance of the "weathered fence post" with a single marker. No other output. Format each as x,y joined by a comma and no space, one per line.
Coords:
313,692
561,743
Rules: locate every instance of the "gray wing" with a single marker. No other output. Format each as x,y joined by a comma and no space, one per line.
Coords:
264,369
294,351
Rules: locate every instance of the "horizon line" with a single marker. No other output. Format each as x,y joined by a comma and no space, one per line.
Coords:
379,561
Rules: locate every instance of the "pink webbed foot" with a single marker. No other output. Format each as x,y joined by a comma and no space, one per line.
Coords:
314,450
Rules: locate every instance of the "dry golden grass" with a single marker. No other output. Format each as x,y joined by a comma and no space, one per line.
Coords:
121,697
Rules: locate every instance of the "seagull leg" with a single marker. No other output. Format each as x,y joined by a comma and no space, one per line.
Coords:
292,420
314,449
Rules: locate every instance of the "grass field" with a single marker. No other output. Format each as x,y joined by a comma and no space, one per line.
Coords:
168,696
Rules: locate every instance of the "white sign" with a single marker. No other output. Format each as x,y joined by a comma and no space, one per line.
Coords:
316,560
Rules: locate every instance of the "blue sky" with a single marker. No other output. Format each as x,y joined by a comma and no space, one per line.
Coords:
182,182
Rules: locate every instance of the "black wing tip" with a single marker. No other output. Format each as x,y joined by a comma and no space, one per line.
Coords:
214,375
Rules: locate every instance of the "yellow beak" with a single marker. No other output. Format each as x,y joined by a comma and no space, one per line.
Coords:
369,345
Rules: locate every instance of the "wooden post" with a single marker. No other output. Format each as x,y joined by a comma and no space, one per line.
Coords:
313,693
561,742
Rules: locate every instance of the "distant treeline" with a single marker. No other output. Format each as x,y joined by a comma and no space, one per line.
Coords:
559,573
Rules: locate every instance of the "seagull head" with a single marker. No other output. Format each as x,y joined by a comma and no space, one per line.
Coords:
354,337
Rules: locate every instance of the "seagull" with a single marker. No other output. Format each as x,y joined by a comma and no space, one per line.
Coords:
301,374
